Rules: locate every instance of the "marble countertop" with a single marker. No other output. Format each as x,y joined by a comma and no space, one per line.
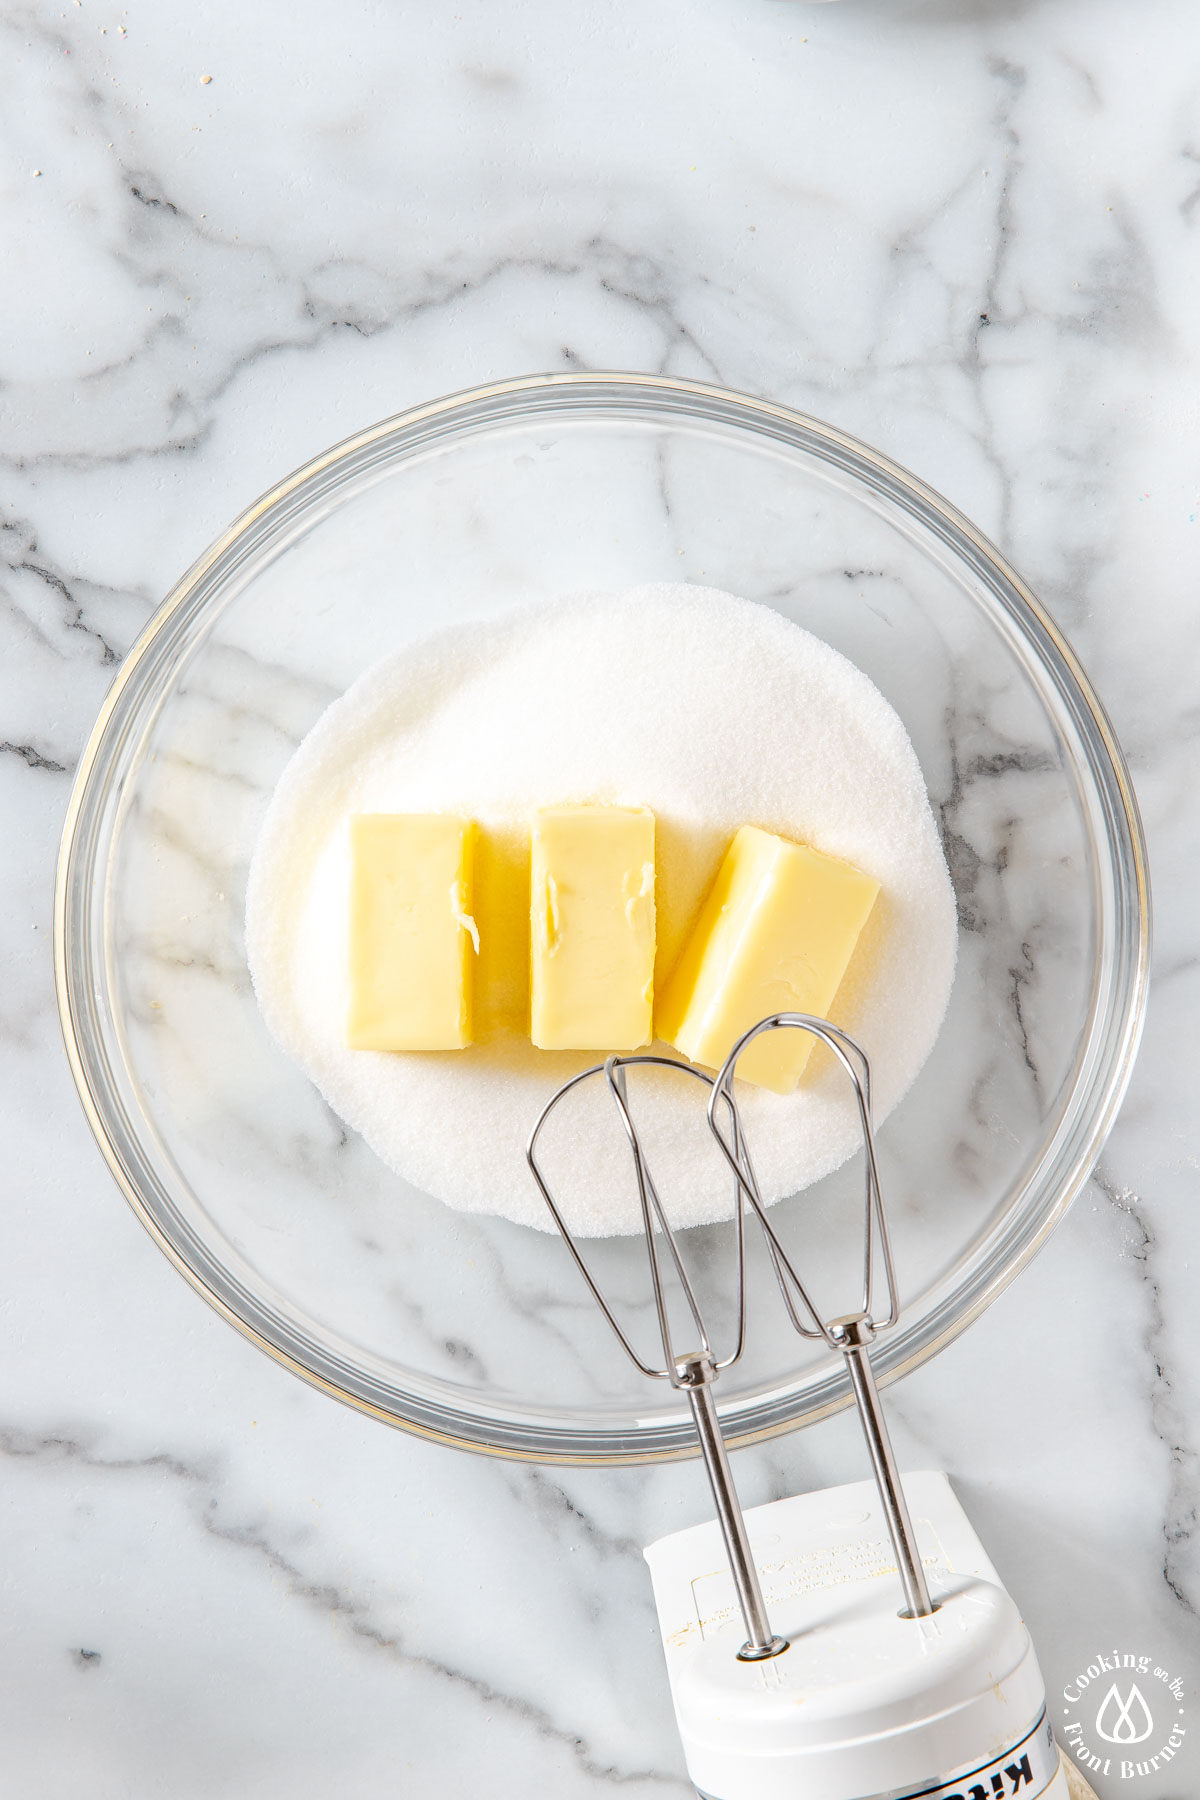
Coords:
965,230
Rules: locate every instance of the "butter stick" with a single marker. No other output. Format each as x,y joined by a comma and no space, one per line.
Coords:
413,941
592,928
775,934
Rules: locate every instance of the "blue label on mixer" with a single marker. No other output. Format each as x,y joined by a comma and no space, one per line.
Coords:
1019,1774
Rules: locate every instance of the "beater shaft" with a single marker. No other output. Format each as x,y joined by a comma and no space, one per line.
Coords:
696,1374
856,1333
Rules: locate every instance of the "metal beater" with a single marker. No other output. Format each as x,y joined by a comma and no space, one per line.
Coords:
693,1372
851,1333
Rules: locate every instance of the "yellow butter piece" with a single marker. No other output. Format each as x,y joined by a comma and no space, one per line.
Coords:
775,934
413,941
501,999
592,928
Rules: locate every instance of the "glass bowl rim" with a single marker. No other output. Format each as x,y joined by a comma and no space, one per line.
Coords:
513,400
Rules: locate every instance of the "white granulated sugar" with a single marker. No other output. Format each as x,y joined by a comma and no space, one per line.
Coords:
712,711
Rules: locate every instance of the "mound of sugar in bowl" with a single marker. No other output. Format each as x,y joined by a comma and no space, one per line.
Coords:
714,713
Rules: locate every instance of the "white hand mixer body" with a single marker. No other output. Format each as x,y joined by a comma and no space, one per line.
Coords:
866,1703
939,1698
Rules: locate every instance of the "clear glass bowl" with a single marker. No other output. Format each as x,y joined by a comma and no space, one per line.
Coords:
470,1330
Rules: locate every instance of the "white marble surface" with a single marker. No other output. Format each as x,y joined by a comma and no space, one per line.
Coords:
964,229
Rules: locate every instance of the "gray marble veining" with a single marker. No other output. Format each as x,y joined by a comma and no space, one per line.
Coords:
964,232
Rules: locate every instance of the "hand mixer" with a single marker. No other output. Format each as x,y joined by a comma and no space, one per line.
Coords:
940,1699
